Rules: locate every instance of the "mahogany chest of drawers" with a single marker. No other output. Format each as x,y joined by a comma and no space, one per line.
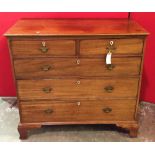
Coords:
63,77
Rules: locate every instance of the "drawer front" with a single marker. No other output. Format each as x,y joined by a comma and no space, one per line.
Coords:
68,111
43,48
49,67
71,88
117,46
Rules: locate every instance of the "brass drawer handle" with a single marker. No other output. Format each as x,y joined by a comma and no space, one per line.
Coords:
44,48
47,90
110,66
48,111
107,110
109,89
46,68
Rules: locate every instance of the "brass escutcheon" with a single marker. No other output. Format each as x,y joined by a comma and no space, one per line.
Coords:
44,49
110,66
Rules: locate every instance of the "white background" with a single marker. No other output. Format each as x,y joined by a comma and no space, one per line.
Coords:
77,5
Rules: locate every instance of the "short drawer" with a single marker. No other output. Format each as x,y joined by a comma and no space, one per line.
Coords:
51,67
117,46
74,111
77,88
28,48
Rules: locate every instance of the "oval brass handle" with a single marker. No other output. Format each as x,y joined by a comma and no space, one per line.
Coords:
46,67
110,66
47,90
109,89
44,49
107,110
48,111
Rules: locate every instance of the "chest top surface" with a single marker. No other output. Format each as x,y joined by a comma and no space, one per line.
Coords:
75,27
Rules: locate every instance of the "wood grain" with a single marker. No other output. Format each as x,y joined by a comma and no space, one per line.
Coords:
99,47
61,75
78,27
33,48
71,88
75,67
63,111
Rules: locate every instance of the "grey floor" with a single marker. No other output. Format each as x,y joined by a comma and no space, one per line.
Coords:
9,119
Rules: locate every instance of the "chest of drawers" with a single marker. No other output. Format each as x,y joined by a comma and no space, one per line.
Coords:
62,76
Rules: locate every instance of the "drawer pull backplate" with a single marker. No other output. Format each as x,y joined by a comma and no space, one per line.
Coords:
109,89
48,111
47,90
107,110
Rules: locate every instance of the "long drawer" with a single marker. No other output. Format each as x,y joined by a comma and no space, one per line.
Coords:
118,46
43,48
50,67
74,88
68,111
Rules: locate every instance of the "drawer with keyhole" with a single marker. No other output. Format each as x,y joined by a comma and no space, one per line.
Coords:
77,88
42,48
83,67
75,110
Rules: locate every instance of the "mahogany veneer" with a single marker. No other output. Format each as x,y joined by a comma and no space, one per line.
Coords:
62,76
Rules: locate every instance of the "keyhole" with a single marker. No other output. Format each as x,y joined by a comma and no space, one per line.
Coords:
44,43
78,62
111,43
78,82
78,103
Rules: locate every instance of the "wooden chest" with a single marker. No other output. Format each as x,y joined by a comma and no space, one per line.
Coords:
77,71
